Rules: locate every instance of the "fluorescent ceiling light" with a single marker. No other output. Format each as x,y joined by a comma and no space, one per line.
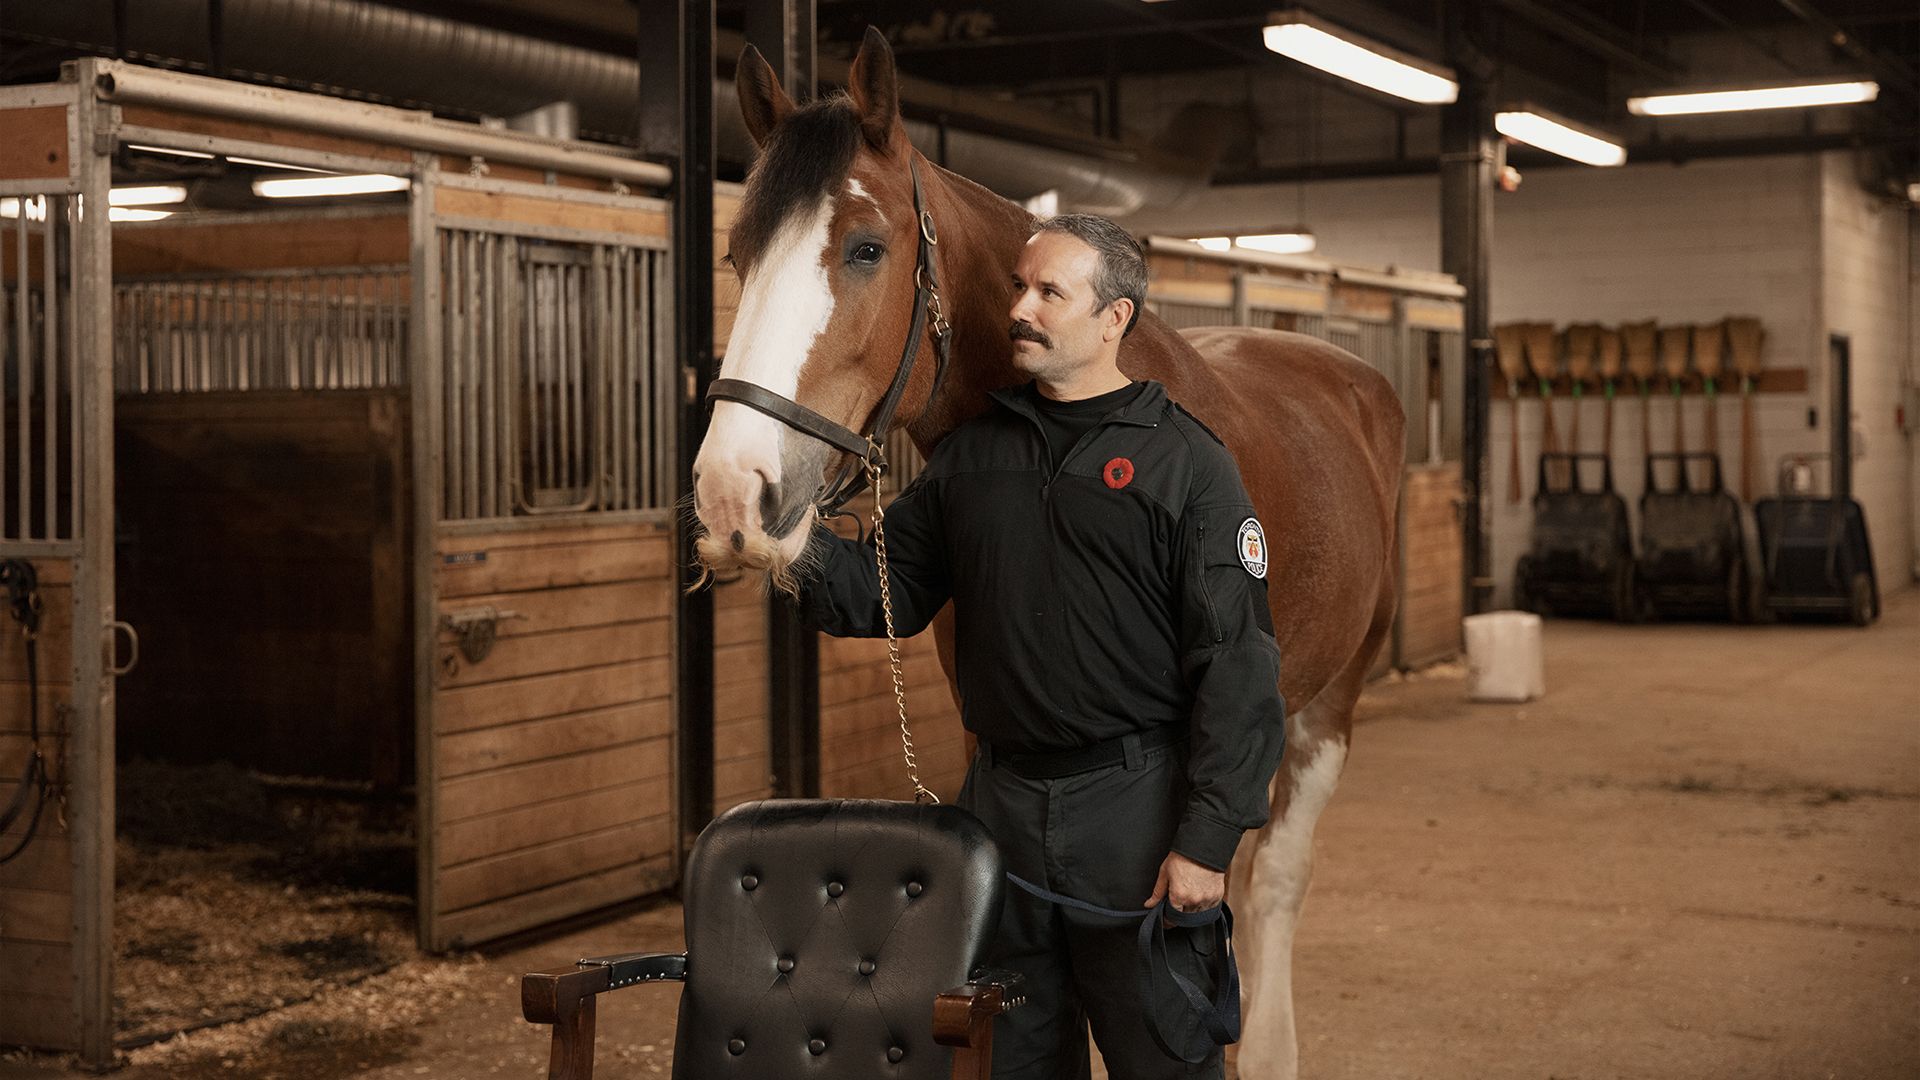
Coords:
1316,43
1765,97
1287,243
148,195
1550,133
36,210
127,213
310,187
264,164
170,151
1215,243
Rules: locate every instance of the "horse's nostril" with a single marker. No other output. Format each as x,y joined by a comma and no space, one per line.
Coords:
769,504
739,541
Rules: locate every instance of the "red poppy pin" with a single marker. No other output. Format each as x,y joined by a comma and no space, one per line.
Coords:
1118,473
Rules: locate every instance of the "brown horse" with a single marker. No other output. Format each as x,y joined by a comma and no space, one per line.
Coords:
824,246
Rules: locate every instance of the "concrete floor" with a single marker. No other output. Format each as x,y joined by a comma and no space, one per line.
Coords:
1697,857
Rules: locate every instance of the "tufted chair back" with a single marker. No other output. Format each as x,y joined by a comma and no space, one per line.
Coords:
819,933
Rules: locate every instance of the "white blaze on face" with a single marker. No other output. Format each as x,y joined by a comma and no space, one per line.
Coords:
785,303
859,191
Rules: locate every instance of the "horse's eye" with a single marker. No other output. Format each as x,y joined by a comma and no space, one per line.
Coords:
866,253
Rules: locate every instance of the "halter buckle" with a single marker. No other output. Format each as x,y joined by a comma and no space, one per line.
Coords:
926,228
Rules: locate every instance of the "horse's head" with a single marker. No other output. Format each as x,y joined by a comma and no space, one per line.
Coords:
825,245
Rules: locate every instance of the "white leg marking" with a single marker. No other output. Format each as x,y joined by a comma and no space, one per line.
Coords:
1276,888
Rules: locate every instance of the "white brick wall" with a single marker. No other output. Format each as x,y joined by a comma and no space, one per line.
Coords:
1686,243
1864,273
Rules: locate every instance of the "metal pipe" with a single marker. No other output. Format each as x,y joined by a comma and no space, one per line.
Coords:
50,365
123,83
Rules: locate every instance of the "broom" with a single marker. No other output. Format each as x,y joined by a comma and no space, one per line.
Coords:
1709,353
1673,363
1543,357
1641,343
1510,343
1582,340
1609,347
1744,337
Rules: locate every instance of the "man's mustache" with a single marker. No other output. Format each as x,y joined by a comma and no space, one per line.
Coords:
1022,330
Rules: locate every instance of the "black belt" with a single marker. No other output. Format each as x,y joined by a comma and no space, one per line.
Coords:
1055,764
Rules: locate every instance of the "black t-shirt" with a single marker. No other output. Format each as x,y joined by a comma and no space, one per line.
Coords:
1064,422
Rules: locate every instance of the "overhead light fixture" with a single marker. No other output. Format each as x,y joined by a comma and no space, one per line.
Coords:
1297,242
1537,127
36,210
1289,242
1795,96
1315,42
314,187
130,213
147,195
170,151
281,166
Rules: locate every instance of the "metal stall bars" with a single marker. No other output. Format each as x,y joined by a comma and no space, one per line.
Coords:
307,328
549,402
56,489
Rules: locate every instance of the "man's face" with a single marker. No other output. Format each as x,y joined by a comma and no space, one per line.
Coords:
1057,324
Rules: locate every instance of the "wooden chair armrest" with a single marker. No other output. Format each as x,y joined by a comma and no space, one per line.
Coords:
564,997
963,1019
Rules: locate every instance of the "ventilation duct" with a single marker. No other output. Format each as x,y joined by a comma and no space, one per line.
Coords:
357,49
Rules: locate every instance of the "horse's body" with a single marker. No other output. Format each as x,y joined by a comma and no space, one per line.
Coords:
1317,434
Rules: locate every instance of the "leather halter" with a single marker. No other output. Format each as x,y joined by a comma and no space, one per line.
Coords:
867,447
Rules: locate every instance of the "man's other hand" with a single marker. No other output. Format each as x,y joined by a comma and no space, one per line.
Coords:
1187,885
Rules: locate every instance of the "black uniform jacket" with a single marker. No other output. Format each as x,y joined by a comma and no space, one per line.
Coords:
1126,592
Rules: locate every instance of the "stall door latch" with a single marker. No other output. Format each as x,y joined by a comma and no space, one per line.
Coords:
476,629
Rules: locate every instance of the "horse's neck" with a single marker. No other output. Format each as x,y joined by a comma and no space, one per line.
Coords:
980,238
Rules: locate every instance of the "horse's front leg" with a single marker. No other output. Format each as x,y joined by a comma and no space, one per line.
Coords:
1269,884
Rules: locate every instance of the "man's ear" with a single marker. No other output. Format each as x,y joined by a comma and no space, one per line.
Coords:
1113,321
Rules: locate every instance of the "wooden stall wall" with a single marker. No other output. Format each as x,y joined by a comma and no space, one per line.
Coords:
37,989
555,749
742,758
860,752
1428,627
263,557
742,763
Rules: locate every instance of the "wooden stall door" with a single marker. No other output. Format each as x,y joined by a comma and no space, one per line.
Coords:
547,742
553,749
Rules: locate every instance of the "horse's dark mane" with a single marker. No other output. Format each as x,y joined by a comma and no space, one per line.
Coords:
809,154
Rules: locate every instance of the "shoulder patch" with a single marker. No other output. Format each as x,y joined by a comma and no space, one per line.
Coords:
1197,422
1252,545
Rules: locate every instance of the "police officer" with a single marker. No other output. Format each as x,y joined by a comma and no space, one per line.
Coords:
1113,648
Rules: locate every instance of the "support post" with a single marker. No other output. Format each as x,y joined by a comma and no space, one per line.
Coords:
676,122
784,32
1467,165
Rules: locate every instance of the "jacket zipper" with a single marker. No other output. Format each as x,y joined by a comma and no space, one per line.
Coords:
1200,580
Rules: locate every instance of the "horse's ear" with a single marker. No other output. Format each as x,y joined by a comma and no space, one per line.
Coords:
876,94
763,103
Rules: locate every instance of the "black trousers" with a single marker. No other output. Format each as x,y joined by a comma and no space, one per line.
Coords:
1097,836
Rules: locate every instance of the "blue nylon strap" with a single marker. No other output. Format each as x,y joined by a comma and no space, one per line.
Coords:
1220,1016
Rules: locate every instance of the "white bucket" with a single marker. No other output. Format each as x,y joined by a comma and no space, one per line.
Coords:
1505,661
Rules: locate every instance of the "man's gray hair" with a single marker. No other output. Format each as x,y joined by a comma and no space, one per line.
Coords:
1123,268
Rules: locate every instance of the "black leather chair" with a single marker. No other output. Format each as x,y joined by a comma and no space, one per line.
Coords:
824,938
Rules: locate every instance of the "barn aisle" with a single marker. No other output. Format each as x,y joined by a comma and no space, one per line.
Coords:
1692,860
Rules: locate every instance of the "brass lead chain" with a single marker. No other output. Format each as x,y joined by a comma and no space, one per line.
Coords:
874,474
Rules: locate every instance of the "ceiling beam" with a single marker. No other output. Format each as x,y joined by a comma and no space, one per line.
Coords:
1600,38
